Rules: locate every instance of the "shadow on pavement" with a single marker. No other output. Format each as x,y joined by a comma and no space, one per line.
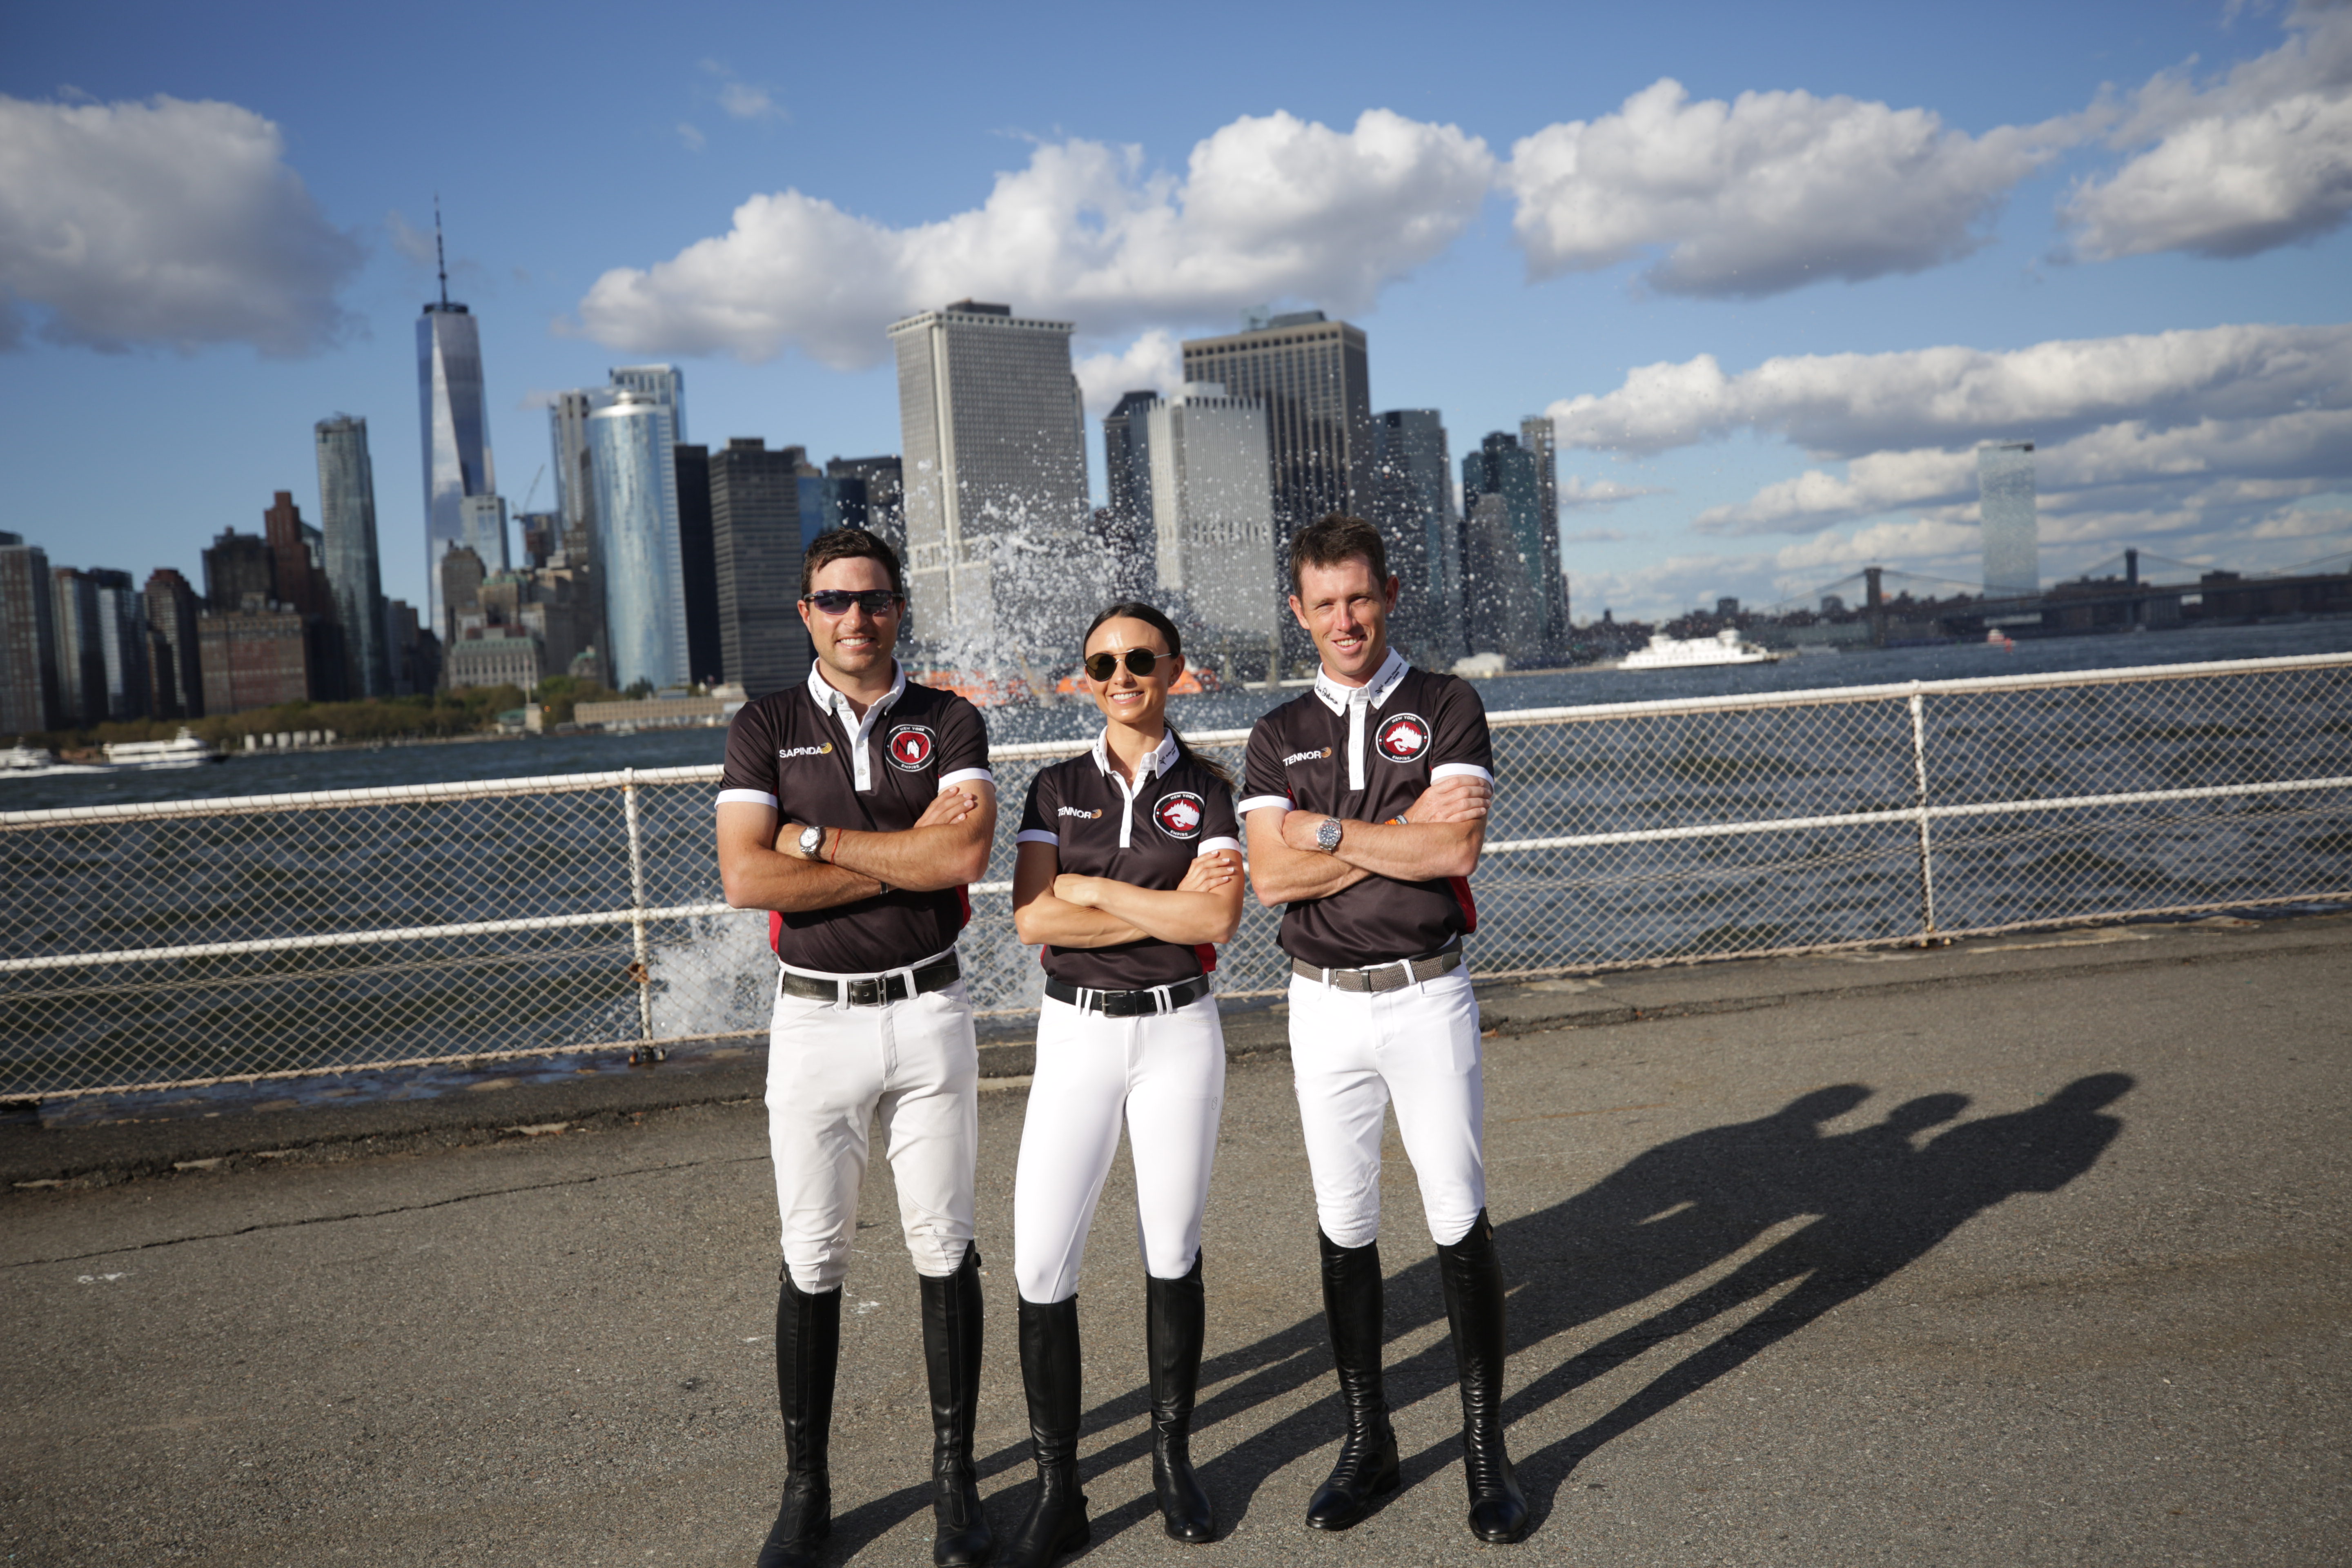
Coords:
1878,1200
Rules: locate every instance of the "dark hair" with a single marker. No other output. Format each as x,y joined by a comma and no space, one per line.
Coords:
850,544
1152,616
1336,538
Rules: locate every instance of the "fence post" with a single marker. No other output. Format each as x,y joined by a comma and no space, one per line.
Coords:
640,971
1919,783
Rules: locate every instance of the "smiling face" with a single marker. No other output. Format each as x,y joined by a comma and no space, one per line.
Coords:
855,644
1127,698
1345,610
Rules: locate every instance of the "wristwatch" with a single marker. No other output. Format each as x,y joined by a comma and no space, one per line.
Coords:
1326,835
812,843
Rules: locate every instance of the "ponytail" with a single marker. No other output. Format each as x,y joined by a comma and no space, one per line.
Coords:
1157,619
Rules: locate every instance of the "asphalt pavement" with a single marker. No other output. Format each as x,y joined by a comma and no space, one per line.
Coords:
2029,1250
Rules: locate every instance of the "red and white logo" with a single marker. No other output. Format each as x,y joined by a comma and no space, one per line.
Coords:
910,747
1179,813
1403,739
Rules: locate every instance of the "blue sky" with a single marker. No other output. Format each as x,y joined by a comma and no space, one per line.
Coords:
2125,222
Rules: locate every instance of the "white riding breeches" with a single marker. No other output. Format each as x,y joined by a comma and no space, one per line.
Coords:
1165,1076
831,1069
1352,1052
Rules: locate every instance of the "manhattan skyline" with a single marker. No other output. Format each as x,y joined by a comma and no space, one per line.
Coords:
1766,367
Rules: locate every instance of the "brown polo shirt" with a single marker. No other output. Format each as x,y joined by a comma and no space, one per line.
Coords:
1148,837
1365,754
806,752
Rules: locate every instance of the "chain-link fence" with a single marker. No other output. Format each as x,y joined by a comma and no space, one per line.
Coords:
194,942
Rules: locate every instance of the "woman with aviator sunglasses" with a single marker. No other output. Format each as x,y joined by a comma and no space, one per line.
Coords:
1129,871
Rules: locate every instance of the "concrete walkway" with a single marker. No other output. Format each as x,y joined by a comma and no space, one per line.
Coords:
2029,1251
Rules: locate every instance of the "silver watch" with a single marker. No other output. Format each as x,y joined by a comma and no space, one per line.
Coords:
1326,835
812,843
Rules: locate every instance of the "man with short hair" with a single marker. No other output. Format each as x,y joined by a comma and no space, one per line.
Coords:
1366,800
855,807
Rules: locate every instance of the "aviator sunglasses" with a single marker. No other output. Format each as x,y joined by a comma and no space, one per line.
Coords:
1139,661
835,602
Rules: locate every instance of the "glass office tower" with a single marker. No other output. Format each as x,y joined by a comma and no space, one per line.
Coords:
456,434
354,569
637,520
2012,544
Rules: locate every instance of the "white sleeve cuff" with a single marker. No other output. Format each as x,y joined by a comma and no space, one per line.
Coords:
1038,836
1211,845
1259,802
1458,771
966,775
747,797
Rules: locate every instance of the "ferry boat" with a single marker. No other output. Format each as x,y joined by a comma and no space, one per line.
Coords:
1672,653
186,749
38,763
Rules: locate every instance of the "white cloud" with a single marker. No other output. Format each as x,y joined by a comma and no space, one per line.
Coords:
692,136
1850,405
1596,536
411,241
1269,209
1574,493
741,100
163,222
2259,159
1153,363
1765,193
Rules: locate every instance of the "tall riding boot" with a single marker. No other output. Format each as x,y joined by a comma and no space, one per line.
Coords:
959,1536
1353,1307
808,1353
1174,1320
1056,1520
1474,1305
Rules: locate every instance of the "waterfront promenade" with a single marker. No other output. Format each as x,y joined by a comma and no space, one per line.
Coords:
2030,1250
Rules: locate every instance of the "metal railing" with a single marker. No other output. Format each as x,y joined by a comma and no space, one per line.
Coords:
197,942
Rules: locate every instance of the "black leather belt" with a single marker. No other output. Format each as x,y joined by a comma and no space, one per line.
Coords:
1130,1004
873,990
1393,977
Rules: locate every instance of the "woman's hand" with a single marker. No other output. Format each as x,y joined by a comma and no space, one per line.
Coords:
1082,891
1211,873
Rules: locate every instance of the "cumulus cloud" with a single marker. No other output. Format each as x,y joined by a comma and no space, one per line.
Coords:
163,222
1269,207
1153,363
1851,406
1575,491
1764,194
2259,159
741,100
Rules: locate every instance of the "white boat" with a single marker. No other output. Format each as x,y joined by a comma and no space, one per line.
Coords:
187,749
36,762
1672,653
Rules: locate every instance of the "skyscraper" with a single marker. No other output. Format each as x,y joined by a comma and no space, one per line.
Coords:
1127,459
354,568
1507,471
452,417
576,483
2012,544
28,644
1412,504
123,645
237,566
296,552
636,517
698,573
761,523
880,490
1314,377
1504,609
81,662
996,478
1212,513
664,383
484,530
179,675
1538,435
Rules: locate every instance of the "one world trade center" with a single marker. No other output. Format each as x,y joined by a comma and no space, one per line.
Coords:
456,437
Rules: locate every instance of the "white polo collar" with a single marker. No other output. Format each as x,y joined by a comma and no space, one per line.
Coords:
1161,759
830,700
1375,691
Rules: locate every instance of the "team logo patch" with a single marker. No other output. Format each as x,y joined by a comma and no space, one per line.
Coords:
910,747
1403,739
1179,813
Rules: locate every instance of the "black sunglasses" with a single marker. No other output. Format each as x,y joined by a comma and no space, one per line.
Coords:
1139,661
874,601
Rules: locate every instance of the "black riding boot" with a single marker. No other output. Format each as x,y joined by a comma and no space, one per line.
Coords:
808,1352
1056,1520
1474,1305
959,1537
1174,1320
1353,1307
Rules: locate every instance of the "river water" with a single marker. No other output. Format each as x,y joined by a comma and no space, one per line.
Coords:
358,767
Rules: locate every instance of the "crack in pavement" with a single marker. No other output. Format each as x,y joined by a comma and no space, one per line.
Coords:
379,1214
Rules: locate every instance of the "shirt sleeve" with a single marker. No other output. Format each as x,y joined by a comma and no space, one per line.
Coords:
1036,826
1263,783
1219,828
963,746
750,777
1459,742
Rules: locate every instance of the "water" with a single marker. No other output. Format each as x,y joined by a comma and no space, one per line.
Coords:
359,767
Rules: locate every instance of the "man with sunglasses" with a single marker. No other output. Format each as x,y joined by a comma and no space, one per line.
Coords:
1366,803
855,807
